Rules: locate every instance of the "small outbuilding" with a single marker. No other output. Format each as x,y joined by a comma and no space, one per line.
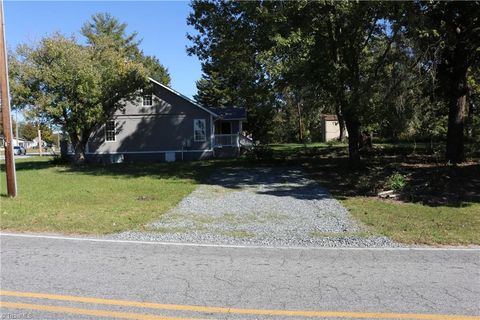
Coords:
330,128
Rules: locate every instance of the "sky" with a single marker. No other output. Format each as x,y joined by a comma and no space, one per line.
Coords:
161,24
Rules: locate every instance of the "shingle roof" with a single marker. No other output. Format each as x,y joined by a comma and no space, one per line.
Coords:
329,117
230,113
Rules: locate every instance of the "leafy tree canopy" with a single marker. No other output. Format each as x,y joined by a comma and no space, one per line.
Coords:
397,68
78,87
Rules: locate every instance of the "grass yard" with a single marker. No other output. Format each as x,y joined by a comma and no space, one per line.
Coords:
438,204
414,223
94,199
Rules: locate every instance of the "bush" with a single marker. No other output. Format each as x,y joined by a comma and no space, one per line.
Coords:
396,182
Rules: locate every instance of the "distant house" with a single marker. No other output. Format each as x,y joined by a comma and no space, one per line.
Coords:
22,143
330,128
34,143
167,126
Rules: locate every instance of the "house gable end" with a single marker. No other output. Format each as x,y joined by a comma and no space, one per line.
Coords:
185,98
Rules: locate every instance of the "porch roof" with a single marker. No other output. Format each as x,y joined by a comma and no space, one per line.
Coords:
230,113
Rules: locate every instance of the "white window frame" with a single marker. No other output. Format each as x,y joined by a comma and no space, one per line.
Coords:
114,131
195,130
151,100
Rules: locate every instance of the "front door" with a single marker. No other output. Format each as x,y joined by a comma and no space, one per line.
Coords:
222,127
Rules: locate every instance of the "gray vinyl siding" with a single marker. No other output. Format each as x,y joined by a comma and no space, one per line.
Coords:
158,128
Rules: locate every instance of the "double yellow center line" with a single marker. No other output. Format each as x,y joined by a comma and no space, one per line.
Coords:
198,309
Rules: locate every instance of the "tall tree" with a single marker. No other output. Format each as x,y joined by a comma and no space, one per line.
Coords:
155,69
337,47
105,31
228,41
454,28
76,87
29,131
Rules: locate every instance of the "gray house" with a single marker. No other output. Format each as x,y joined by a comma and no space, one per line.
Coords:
164,125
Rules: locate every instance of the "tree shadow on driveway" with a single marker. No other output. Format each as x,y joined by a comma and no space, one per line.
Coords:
274,181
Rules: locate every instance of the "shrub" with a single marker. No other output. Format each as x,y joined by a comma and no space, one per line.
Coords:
396,182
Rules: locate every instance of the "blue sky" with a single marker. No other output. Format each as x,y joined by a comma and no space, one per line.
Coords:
161,24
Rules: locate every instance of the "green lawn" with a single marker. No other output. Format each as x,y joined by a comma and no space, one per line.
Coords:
414,223
95,199
289,147
439,205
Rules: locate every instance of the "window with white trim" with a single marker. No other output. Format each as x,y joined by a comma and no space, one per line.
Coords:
199,130
147,100
110,130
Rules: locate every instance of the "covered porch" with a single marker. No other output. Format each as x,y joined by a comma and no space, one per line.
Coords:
228,136
227,133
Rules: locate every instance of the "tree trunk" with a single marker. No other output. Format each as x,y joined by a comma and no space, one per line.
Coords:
469,120
40,144
456,105
341,122
79,149
300,124
455,144
353,127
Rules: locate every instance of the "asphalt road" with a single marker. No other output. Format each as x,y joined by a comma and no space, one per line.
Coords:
47,278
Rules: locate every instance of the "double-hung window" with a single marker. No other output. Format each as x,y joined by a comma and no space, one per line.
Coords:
110,130
147,100
199,130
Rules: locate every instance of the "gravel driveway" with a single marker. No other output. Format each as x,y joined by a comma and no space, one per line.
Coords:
261,206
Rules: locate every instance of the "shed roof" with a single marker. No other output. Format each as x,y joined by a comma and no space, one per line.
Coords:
329,117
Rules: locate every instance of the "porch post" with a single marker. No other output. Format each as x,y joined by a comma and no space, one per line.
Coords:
212,135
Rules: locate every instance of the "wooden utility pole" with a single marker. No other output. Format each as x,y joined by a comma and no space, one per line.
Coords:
16,125
6,118
39,140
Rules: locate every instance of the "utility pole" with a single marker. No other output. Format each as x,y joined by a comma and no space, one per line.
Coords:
58,141
6,118
39,140
16,125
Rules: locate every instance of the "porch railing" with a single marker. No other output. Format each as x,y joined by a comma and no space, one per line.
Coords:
232,140
226,140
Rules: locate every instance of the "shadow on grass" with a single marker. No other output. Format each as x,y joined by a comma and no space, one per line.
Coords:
194,170
428,180
36,163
